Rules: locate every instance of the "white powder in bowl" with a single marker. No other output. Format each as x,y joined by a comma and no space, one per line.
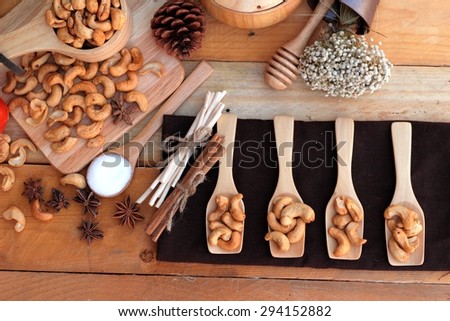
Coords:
109,174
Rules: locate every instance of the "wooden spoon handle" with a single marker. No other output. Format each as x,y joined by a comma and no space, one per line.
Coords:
345,129
401,141
298,44
226,126
284,136
189,85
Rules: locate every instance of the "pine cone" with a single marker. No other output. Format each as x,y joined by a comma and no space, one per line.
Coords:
179,27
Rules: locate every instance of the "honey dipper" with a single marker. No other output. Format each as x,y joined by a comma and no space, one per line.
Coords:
282,69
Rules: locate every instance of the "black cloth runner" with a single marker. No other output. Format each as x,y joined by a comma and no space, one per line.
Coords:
255,173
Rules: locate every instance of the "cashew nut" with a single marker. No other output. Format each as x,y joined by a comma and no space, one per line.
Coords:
72,73
92,6
396,251
223,233
8,178
280,203
82,31
215,225
231,223
75,179
91,130
339,205
155,67
109,88
11,83
236,207
354,210
95,99
232,244
62,59
96,142
352,233
18,160
98,25
75,118
37,108
54,21
91,71
78,4
38,62
55,96
67,4
57,116
21,102
280,239
104,9
98,38
222,203
276,226
60,11
136,97
85,87
14,213
26,61
30,84
5,139
121,67
19,146
305,212
64,146
118,19
36,122
137,59
298,232
115,3
42,95
54,79
99,114
406,216
71,101
343,242
57,134
45,70
341,221
64,35
37,212
104,67
409,245
415,230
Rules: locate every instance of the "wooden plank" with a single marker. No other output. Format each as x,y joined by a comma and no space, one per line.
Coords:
413,33
41,286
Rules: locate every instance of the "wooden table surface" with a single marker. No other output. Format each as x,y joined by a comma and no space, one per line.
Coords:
48,262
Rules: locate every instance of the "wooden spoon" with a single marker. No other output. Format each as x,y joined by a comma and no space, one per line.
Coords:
404,194
344,186
282,69
284,136
37,35
226,126
130,151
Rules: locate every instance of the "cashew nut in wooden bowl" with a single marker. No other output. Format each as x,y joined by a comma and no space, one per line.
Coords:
26,30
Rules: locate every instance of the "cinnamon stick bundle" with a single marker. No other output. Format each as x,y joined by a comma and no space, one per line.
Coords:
177,199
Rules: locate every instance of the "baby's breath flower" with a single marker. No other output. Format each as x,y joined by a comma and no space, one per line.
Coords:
344,65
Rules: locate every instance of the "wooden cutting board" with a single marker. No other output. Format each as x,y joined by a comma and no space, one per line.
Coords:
156,90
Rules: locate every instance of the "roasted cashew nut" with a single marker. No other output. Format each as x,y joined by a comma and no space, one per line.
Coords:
236,207
11,83
137,97
85,87
82,31
55,96
95,99
275,225
137,59
91,130
231,223
19,146
45,70
62,59
64,35
25,63
305,212
57,134
223,233
5,139
98,25
52,79
42,95
396,251
36,122
8,178
91,71
75,179
232,244
78,4
30,84
96,142
99,114
92,6
60,11
115,3
121,67
408,245
37,108
341,221
280,203
339,205
40,61
98,38
18,160
104,67
64,146
354,210
21,102
280,239
72,73
406,216
298,232
75,118
104,9
53,21
14,213
352,233
37,212
415,230
342,240
118,19
222,203
154,67
215,225
72,101
109,88
57,116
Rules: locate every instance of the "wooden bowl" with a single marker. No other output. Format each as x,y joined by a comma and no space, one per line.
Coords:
251,14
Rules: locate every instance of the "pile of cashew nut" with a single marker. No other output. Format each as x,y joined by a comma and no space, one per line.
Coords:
404,225
287,222
79,21
60,91
346,223
226,223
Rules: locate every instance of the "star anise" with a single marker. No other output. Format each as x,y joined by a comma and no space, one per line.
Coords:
128,212
121,112
90,231
32,190
89,201
58,201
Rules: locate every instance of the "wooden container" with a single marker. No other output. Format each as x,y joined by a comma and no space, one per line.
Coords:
250,14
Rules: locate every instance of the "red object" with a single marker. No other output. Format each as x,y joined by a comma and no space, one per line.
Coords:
4,115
